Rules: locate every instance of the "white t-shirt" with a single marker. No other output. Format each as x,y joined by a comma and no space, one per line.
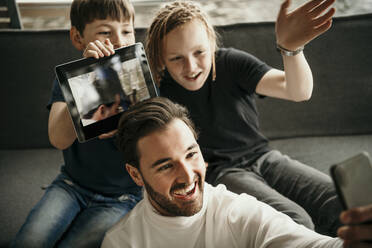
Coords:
225,220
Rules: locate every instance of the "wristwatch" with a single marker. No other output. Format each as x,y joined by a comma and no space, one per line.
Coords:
287,52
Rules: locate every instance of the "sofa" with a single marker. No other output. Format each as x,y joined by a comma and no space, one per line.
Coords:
333,125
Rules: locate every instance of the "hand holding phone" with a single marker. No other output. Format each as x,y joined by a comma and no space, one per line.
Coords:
357,231
353,180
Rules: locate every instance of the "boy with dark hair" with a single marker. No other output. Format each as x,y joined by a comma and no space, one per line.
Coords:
93,190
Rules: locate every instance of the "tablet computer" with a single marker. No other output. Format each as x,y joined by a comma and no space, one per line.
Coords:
98,91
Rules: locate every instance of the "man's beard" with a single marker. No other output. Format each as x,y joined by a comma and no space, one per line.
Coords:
188,209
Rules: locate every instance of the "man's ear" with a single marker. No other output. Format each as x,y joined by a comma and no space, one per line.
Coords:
99,114
102,110
134,174
76,39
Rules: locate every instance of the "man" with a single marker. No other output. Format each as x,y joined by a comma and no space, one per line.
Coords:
179,209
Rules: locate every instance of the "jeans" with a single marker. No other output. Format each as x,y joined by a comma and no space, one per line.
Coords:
70,216
305,194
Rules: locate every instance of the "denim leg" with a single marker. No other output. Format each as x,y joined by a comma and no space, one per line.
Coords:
89,227
49,219
241,180
308,187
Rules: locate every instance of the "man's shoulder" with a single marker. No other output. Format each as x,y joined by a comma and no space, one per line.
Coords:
221,190
221,197
127,223
130,218
228,205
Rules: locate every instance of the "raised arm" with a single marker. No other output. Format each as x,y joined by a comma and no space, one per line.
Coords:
293,31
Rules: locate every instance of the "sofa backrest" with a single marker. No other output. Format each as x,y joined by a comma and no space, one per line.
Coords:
340,61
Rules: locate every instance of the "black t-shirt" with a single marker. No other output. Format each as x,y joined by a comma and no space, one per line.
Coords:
224,111
97,164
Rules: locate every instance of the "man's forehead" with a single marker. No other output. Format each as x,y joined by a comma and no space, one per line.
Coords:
174,139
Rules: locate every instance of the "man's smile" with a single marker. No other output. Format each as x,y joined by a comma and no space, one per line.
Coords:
187,193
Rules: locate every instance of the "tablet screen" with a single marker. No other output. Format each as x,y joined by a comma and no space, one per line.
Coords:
98,91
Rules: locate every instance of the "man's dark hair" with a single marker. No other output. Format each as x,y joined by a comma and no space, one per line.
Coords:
144,118
83,12
107,87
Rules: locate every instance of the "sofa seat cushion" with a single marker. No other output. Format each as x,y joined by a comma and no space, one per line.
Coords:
22,174
322,152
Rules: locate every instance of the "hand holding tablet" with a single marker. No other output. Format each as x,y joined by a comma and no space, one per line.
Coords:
98,91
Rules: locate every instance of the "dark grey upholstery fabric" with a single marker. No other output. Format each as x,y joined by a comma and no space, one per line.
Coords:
23,173
322,152
333,125
341,64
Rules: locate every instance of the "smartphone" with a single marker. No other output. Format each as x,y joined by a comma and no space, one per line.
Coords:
353,180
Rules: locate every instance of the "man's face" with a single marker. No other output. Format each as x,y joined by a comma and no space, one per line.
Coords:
119,33
172,169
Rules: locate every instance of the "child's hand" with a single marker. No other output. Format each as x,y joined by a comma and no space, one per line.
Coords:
299,27
97,49
108,135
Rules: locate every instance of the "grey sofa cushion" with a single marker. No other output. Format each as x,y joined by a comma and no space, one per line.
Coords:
22,174
322,152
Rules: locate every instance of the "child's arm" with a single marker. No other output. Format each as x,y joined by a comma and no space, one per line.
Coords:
293,31
60,128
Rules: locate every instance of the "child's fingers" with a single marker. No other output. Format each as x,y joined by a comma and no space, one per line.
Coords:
311,4
109,46
323,28
108,135
91,54
92,51
284,8
103,48
88,53
324,18
321,8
